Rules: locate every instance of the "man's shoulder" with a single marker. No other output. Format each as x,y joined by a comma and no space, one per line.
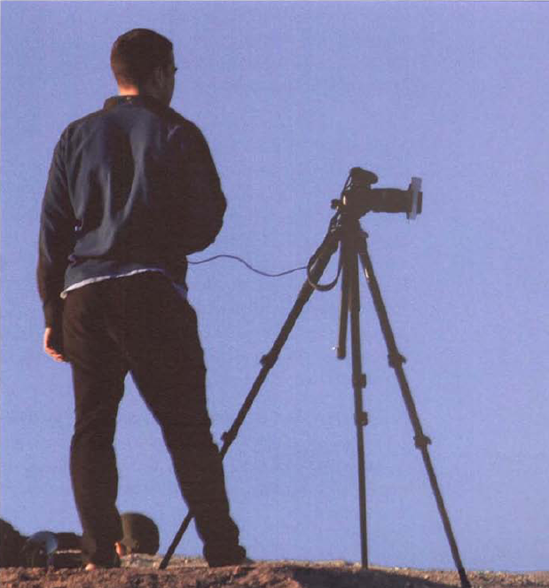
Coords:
179,120
185,129
83,121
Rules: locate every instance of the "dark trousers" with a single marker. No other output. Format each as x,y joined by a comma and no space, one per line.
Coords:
141,324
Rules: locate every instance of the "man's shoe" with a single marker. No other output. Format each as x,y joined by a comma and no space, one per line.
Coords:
243,561
219,556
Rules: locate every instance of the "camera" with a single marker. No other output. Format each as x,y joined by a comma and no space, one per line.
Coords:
358,197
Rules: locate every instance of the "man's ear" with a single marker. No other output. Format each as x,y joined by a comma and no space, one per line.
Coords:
158,76
163,74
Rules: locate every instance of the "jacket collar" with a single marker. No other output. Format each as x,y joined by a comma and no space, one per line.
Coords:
139,100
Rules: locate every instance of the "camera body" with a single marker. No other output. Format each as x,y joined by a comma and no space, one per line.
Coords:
358,196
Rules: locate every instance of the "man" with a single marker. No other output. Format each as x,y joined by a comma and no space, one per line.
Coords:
131,191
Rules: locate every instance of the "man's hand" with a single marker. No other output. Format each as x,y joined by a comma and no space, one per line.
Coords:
53,345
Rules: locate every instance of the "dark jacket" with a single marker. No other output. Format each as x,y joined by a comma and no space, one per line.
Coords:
131,186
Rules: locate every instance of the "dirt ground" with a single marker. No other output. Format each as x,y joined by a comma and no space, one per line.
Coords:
143,572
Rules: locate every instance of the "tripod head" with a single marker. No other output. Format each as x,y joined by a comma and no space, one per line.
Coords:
358,197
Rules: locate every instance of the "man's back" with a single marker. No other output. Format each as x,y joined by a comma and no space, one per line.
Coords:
137,189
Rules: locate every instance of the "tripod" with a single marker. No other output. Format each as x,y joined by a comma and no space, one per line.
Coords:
346,233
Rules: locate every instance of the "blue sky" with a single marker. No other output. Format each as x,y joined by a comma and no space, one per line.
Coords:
291,96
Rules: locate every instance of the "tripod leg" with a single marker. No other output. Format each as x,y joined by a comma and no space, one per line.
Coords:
323,255
421,440
344,306
359,383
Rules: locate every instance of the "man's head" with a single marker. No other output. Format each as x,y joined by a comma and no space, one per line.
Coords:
140,535
142,63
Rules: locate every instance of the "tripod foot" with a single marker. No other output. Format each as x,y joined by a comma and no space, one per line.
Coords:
464,579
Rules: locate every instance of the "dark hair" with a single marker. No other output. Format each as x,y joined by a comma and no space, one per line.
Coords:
137,53
140,533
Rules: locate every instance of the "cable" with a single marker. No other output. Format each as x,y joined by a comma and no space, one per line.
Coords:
332,227
266,274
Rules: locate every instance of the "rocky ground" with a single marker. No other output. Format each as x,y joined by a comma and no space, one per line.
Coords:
143,572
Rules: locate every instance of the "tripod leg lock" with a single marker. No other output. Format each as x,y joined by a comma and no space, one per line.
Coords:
396,359
228,437
268,360
422,441
360,381
361,419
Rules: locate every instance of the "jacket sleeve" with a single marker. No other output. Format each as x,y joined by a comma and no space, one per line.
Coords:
204,201
56,238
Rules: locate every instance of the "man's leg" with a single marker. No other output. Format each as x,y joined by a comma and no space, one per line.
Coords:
98,376
166,361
